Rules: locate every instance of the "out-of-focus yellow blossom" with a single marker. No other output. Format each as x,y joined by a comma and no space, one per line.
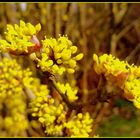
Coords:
15,120
79,126
18,38
13,78
40,90
51,116
126,76
59,56
27,78
16,103
14,125
14,81
67,90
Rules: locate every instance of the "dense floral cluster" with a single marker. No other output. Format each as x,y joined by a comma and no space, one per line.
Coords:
69,91
13,78
126,76
132,86
53,117
18,38
59,108
79,126
12,100
108,64
16,120
58,56
16,84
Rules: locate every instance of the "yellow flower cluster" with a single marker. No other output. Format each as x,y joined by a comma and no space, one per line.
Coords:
13,83
108,64
67,90
49,114
59,56
53,118
16,120
79,126
126,76
39,89
132,86
13,78
18,38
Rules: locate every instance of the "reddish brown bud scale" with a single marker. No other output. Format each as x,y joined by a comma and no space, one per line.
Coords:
37,47
120,79
128,96
35,40
122,76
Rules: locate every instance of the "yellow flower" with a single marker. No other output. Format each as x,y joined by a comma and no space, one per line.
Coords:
79,126
108,64
58,56
50,115
67,90
19,38
13,78
121,73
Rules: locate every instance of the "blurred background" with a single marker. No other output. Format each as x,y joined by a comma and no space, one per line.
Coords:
112,28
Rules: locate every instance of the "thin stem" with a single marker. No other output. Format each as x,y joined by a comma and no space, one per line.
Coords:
128,58
99,117
65,99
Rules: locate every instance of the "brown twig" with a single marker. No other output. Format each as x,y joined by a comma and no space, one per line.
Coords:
65,99
128,58
99,117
